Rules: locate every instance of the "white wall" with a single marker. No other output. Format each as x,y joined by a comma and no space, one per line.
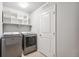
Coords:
35,17
1,7
15,11
35,22
68,29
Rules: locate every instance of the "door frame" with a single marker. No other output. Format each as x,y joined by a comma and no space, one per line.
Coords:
55,55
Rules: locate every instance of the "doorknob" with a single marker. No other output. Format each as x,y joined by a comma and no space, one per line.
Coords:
54,33
40,35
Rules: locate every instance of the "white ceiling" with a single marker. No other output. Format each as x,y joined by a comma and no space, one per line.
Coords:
32,6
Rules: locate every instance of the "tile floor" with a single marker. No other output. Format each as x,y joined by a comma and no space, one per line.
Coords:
34,54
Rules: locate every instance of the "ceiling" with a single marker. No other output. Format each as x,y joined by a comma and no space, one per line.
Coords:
32,6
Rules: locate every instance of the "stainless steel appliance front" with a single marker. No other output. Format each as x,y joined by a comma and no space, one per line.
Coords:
11,45
29,43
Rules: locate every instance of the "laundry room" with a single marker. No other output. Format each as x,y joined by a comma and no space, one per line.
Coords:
39,29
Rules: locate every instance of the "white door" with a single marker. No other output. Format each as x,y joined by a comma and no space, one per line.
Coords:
47,31
1,17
